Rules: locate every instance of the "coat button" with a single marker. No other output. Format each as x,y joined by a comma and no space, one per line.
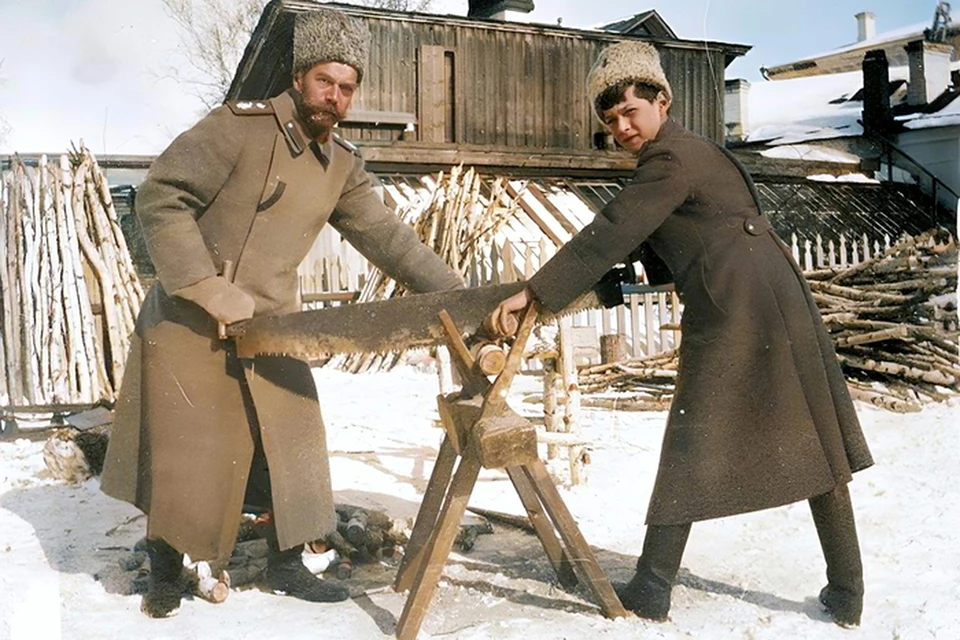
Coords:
751,227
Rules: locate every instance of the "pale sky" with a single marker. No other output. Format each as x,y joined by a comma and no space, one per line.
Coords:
92,69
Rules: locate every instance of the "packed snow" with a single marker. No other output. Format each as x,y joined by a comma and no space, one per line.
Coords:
752,576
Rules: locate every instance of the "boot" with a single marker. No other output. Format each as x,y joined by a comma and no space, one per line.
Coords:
842,598
165,583
286,574
648,593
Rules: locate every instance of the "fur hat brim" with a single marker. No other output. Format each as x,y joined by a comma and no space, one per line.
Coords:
328,35
631,61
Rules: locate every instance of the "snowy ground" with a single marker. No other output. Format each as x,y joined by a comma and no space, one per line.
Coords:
754,576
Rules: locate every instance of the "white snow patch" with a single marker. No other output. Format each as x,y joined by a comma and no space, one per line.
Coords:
810,153
847,177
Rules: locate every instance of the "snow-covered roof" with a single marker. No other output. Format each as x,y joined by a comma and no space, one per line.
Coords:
800,110
849,56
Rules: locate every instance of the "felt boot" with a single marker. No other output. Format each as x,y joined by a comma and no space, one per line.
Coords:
648,593
165,584
833,516
286,574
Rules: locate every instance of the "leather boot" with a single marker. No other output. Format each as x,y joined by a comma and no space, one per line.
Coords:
833,516
648,593
286,574
165,584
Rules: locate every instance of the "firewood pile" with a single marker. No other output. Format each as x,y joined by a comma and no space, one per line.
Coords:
893,319
459,223
69,293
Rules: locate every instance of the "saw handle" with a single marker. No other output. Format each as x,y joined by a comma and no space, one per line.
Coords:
504,321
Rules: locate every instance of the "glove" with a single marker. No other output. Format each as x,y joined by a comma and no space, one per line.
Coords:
608,287
219,297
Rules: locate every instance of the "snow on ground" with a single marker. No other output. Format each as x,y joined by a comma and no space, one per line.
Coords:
753,576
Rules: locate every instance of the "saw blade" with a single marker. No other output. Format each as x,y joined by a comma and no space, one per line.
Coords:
382,326
385,325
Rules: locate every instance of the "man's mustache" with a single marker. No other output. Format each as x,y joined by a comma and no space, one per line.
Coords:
330,112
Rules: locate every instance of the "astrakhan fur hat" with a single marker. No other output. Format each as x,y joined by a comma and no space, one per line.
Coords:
328,35
630,60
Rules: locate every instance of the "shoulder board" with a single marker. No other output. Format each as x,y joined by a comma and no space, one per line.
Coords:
250,107
349,146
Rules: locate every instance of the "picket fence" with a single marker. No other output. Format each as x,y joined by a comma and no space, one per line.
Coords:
334,273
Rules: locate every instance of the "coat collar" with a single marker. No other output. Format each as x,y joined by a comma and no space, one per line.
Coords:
294,131
669,129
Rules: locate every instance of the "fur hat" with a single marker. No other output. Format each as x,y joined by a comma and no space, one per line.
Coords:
627,60
328,35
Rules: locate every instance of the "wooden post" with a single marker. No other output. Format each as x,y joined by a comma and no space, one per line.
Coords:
571,387
550,380
613,348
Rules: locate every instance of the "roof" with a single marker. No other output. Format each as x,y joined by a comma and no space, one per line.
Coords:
829,106
648,23
850,56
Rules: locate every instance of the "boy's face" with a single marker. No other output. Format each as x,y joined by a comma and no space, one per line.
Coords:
635,121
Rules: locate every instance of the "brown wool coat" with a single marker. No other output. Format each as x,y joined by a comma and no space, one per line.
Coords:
183,440
761,416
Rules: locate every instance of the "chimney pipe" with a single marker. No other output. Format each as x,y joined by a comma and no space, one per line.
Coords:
877,115
736,108
929,70
866,25
497,9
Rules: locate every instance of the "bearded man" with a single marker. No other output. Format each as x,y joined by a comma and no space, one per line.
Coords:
200,433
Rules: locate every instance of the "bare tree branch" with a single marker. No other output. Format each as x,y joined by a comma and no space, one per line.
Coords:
213,34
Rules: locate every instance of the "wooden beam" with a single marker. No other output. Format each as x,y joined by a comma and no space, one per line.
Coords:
403,155
543,527
438,548
542,198
426,516
535,216
368,116
581,555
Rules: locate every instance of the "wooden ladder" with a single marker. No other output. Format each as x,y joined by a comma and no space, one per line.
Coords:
482,431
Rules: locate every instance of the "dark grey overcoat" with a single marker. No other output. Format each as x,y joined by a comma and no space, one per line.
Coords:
761,416
182,443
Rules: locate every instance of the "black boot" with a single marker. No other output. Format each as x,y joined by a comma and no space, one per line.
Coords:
286,574
165,584
648,593
833,517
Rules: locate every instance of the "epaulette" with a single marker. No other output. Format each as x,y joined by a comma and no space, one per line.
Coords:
349,146
250,107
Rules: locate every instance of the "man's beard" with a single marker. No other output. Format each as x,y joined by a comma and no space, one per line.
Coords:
318,120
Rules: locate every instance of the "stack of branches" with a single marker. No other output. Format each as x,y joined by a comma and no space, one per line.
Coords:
893,319
459,224
69,293
649,381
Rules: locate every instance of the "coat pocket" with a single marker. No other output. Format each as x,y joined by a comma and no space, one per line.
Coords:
275,186
275,194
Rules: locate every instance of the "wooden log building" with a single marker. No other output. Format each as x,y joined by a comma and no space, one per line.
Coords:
441,90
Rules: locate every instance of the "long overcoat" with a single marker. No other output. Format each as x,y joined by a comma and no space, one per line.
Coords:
761,416
245,184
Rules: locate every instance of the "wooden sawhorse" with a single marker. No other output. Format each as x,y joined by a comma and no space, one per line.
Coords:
482,431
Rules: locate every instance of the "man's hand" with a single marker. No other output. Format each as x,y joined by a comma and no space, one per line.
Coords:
504,320
219,297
